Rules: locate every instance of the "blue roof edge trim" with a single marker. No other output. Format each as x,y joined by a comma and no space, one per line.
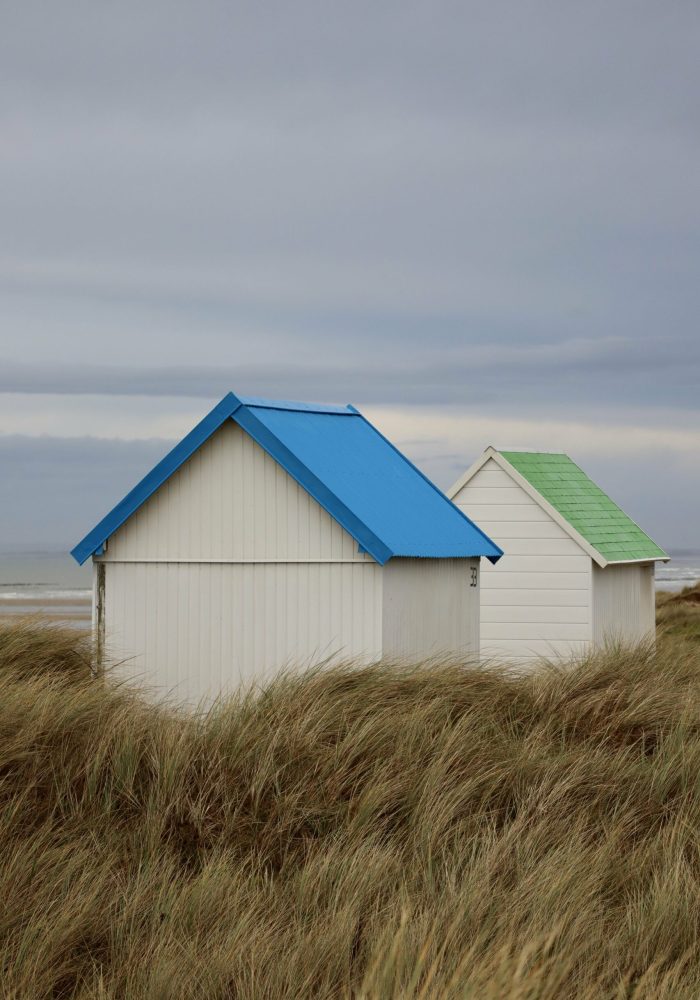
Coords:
155,478
497,550
365,538
241,410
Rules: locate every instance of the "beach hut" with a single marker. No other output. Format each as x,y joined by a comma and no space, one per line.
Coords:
281,534
577,571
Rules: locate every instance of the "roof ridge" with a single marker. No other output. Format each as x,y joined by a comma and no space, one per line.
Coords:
528,451
256,402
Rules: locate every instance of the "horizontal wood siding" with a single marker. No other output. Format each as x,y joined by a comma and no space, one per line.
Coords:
536,565
232,502
430,608
524,530
532,650
193,630
535,581
540,547
536,601
528,511
562,614
529,598
623,603
533,629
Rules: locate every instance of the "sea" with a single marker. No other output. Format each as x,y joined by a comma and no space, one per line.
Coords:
682,571
45,582
50,582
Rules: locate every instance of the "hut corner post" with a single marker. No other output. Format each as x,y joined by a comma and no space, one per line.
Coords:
98,615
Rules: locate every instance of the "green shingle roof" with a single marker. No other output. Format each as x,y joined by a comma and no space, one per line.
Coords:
584,505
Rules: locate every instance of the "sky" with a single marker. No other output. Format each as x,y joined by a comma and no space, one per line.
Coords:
478,222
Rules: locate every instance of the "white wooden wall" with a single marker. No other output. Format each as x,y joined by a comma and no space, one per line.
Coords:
624,606
536,601
232,502
231,570
193,630
430,607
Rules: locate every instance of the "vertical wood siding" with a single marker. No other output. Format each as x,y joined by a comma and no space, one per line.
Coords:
430,608
537,600
231,571
231,501
193,630
623,603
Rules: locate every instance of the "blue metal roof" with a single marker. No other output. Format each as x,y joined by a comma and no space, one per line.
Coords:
341,460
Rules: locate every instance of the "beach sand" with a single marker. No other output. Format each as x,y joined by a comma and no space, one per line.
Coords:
78,610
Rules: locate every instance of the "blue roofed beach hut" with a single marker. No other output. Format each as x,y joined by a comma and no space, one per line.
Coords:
281,534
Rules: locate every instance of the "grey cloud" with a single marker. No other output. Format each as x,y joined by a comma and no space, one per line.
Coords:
577,370
438,203
53,490
58,488
165,54
391,154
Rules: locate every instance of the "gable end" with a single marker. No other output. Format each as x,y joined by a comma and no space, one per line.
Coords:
529,489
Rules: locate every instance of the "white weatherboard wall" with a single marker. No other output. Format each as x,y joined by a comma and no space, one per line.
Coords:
231,571
624,605
537,600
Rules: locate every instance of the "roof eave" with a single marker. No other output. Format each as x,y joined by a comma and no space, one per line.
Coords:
645,559
497,552
492,556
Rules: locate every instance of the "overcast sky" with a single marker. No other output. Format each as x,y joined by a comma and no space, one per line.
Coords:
479,222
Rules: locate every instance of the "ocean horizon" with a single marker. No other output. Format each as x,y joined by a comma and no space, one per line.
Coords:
51,575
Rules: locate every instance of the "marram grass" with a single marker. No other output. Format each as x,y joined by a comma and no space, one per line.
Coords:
384,832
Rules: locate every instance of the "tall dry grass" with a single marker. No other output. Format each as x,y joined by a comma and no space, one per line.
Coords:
386,832
679,614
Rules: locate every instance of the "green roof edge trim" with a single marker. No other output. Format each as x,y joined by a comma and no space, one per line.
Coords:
584,506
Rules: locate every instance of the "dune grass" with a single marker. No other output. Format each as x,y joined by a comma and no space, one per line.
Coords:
385,832
679,613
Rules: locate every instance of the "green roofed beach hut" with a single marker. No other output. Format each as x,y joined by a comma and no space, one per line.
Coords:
577,571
